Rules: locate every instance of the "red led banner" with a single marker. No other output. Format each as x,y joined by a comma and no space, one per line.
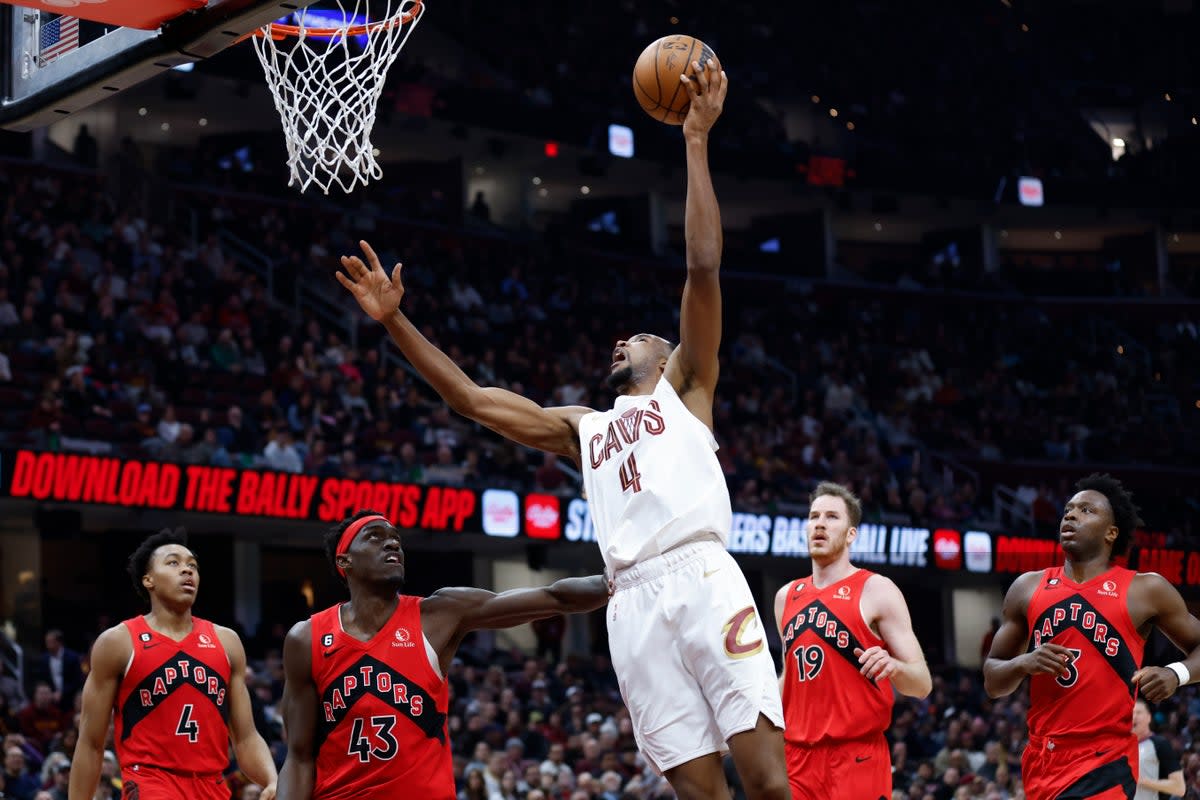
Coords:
70,478
87,480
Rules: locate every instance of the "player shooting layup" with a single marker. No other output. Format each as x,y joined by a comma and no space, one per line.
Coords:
686,640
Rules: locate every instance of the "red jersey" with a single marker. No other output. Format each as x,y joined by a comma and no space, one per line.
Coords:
1094,696
381,727
172,706
825,697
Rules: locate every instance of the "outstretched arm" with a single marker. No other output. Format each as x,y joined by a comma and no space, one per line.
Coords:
450,614
692,368
253,755
514,417
1007,664
299,715
1171,616
110,653
901,659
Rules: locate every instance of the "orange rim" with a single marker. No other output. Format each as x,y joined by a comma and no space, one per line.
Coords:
279,31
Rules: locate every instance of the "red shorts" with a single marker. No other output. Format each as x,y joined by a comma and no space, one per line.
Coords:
152,783
1104,768
861,769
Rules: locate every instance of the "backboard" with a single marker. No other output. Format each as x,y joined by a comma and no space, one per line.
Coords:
53,65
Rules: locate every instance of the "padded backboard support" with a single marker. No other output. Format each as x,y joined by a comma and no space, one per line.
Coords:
36,94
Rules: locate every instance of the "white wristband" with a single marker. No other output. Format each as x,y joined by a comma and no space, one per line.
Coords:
1181,671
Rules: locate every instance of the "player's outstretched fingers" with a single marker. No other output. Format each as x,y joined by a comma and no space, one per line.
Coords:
701,75
372,259
354,266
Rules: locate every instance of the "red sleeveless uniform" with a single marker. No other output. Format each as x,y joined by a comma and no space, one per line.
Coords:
172,715
835,717
1081,741
381,725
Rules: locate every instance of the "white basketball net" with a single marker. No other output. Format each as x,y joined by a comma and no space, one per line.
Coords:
327,91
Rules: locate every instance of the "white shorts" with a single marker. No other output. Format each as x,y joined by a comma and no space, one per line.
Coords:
690,653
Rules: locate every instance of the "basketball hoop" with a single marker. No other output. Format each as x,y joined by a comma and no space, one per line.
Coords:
326,81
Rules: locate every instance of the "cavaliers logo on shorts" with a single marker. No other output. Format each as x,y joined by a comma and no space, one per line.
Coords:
741,622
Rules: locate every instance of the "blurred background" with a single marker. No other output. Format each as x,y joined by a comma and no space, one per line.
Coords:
962,271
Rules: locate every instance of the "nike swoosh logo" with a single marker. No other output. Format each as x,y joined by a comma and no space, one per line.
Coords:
328,653
1099,753
712,571
148,645
861,759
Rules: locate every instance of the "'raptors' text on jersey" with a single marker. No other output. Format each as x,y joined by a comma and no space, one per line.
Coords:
652,477
381,724
172,704
825,697
1092,621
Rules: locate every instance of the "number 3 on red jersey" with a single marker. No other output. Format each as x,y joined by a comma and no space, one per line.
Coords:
1070,673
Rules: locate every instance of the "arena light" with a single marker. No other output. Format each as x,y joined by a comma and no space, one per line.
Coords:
1118,148
1030,192
620,141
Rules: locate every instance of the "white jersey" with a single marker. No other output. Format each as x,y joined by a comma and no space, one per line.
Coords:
652,477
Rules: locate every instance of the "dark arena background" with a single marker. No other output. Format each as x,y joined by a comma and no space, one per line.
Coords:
961,271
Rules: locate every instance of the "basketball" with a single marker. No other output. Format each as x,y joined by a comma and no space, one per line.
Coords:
656,74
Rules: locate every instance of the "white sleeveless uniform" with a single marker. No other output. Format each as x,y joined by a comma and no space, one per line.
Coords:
652,478
687,641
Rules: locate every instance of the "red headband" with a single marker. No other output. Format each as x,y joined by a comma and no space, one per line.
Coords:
352,531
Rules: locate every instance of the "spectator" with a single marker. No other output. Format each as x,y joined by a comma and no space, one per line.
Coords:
475,788
480,209
109,786
169,425
549,477
58,777
8,312
444,471
10,688
60,667
84,148
281,453
237,435
19,783
42,719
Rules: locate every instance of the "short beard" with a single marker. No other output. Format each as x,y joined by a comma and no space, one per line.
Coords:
618,381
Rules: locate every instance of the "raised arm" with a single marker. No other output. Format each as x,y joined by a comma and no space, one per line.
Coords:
514,417
299,715
1007,664
692,368
1171,616
450,614
901,658
253,755
110,654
